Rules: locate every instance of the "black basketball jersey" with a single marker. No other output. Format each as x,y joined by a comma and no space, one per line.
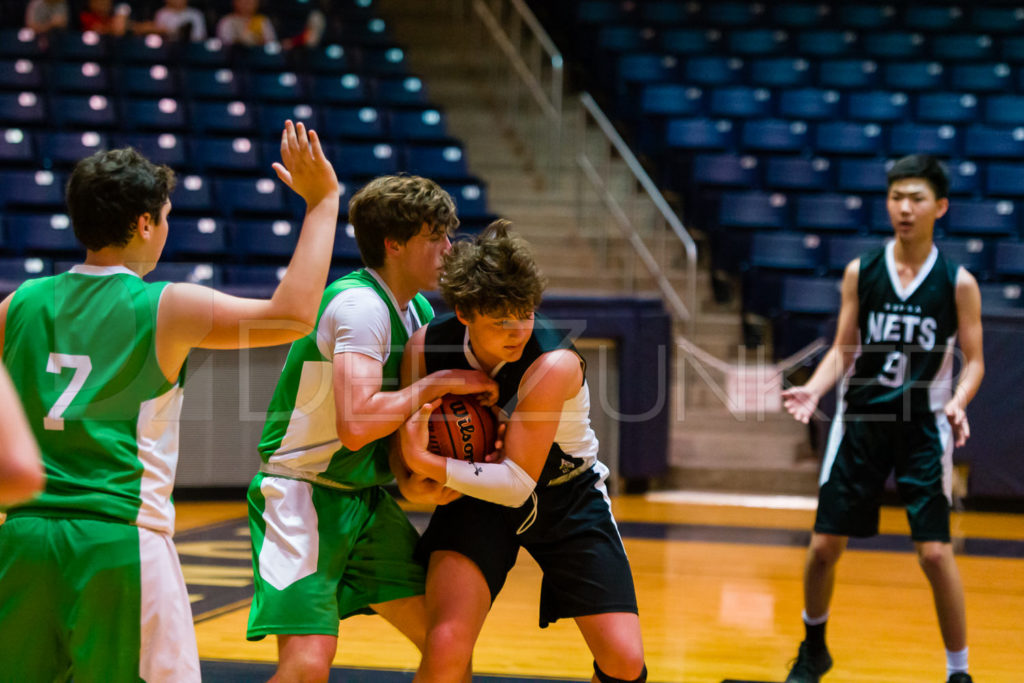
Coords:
575,446
907,336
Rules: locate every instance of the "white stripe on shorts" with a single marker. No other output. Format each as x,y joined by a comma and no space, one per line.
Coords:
291,544
168,639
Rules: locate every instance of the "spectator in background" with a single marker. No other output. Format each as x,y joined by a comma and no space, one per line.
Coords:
177,21
102,17
245,26
43,16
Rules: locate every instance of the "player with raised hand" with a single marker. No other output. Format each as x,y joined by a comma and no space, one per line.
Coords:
90,583
546,495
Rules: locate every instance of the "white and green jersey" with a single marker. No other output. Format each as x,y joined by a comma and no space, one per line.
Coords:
81,350
300,437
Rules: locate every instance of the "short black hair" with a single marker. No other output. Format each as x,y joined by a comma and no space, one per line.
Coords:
109,191
923,166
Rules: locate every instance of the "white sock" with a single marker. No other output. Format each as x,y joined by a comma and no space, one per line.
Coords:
823,618
956,662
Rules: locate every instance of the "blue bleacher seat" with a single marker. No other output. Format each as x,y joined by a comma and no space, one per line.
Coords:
160,148
151,80
824,43
1001,299
70,148
221,84
206,274
270,57
402,91
964,178
774,135
913,75
272,117
470,199
164,114
239,154
790,251
878,217
345,247
700,133
799,14
830,212
44,189
14,271
809,104
712,70
797,173
753,42
86,77
355,122
237,118
810,295
945,107
753,210
21,74
202,237
996,19
210,53
193,193
418,124
982,217
893,44
80,46
15,146
780,72
150,48
623,38
1004,179
877,105
332,59
345,89
437,162
861,175
994,142
728,13
20,42
688,41
84,111
646,67
841,137
600,12
1004,110
286,86
740,102
866,16
932,17
962,47
671,99
661,12
385,61
911,138
1012,49
246,278
267,238
981,77
22,108
365,159
40,234
848,74
972,253
251,195
841,249
1009,258
725,170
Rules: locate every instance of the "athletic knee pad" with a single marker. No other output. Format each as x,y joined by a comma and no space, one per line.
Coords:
605,678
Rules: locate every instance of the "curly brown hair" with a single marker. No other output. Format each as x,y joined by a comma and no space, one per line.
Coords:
396,207
492,274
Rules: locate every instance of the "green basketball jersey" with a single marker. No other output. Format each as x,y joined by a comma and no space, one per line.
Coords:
81,351
907,336
300,432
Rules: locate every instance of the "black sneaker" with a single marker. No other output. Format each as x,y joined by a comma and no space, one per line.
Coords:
960,677
811,664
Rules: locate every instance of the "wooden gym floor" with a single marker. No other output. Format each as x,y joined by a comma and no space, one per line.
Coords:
719,588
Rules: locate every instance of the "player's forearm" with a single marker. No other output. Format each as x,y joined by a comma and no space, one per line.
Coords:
298,295
832,367
970,381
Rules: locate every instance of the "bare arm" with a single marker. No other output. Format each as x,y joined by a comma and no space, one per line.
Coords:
968,306
802,401
21,470
194,316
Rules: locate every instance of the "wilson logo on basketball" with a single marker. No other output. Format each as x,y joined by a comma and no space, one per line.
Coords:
461,428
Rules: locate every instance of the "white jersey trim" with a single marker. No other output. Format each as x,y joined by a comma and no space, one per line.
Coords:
157,438
85,269
894,277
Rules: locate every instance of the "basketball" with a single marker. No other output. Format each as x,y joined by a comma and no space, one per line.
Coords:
461,428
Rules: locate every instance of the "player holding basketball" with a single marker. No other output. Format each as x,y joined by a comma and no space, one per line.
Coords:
904,306
328,541
90,583
547,494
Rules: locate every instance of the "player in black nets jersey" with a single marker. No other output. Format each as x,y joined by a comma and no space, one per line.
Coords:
904,308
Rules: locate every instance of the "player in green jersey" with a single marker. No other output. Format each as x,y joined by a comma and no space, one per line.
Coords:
21,470
328,540
904,307
90,584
